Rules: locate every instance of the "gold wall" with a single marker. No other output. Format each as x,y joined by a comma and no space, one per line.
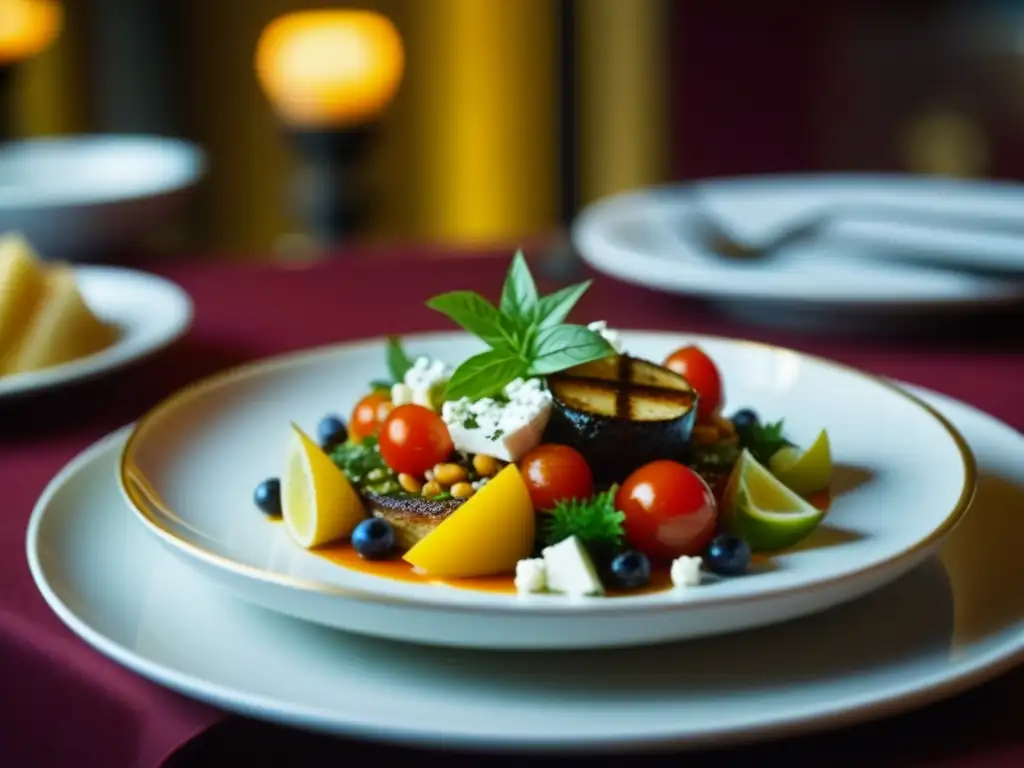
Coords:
467,154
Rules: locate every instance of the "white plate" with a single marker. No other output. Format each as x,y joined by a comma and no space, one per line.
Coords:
150,311
81,194
904,475
948,625
645,237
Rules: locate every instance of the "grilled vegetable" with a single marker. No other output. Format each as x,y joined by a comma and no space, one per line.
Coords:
621,413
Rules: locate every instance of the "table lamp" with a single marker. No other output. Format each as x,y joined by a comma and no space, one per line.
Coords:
330,75
27,27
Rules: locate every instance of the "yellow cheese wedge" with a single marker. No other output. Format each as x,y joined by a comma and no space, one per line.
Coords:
487,535
61,329
22,277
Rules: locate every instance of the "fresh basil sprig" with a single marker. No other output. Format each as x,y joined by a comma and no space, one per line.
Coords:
525,333
398,362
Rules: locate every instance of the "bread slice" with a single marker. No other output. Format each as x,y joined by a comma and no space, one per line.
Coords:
61,328
22,279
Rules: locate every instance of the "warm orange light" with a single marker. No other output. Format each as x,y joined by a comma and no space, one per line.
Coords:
27,27
330,68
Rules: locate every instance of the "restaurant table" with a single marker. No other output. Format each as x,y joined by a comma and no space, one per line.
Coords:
63,704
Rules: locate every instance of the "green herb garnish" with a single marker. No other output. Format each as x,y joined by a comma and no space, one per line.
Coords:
360,460
525,333
763,440
594,521
398,362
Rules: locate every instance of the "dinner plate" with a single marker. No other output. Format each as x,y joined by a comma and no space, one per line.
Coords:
865,267
149,311
903,479
952,623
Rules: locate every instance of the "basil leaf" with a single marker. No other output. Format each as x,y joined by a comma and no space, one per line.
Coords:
485,374
398,361
477,315
519,293
555,307
563,346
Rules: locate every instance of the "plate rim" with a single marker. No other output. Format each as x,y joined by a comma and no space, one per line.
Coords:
922,691
587,236
109,359
145,504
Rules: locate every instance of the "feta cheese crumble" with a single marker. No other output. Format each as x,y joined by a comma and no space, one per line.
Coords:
600,327
685,571
422,384
570,569
531,576
504,430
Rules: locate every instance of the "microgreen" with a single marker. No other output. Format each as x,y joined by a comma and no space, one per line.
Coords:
763,440
525,333
594,521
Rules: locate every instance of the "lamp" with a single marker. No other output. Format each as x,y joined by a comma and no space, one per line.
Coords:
27,27
330,75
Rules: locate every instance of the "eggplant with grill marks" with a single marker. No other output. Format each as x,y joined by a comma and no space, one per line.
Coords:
621,413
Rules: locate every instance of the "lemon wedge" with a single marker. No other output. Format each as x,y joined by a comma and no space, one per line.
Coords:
767,514
804,471
318,503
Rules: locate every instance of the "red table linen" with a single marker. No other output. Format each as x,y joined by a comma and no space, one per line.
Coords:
64,704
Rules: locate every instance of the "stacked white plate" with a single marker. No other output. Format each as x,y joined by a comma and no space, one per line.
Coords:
898,599
892,248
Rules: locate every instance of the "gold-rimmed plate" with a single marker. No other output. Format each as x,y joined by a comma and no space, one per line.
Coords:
903,479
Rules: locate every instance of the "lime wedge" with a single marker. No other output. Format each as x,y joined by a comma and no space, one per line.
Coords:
759,508
804,471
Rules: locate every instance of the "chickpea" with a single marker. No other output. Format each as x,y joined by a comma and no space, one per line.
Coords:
486,466
431,489
462,490
409,483
449,474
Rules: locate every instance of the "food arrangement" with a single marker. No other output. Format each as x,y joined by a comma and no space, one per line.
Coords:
554,461
44,321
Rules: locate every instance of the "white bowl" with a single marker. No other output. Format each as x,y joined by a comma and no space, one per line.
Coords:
74,195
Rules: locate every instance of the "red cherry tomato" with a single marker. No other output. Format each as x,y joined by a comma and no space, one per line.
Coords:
413,439
368,415
698,369
554,473
670,511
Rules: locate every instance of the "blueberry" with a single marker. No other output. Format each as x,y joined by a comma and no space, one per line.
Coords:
631,569
331,432
267,497
373,538
744,418
727,555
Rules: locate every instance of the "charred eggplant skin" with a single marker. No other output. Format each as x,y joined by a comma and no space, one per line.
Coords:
614,445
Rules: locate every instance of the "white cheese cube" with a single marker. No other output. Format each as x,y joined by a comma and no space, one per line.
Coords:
570,569
401,394
531,576
503,430
422,382
685,571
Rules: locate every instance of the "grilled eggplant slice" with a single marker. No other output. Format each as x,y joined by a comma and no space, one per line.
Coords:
621,413
411,517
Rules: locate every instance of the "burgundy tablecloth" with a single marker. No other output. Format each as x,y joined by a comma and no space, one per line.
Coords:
63,704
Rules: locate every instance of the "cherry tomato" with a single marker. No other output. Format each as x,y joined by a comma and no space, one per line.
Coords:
368,415
670,511
698,369
554,473
413,439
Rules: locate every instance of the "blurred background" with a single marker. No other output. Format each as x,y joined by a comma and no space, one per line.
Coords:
512,114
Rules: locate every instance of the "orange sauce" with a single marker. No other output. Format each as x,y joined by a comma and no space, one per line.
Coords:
344,555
